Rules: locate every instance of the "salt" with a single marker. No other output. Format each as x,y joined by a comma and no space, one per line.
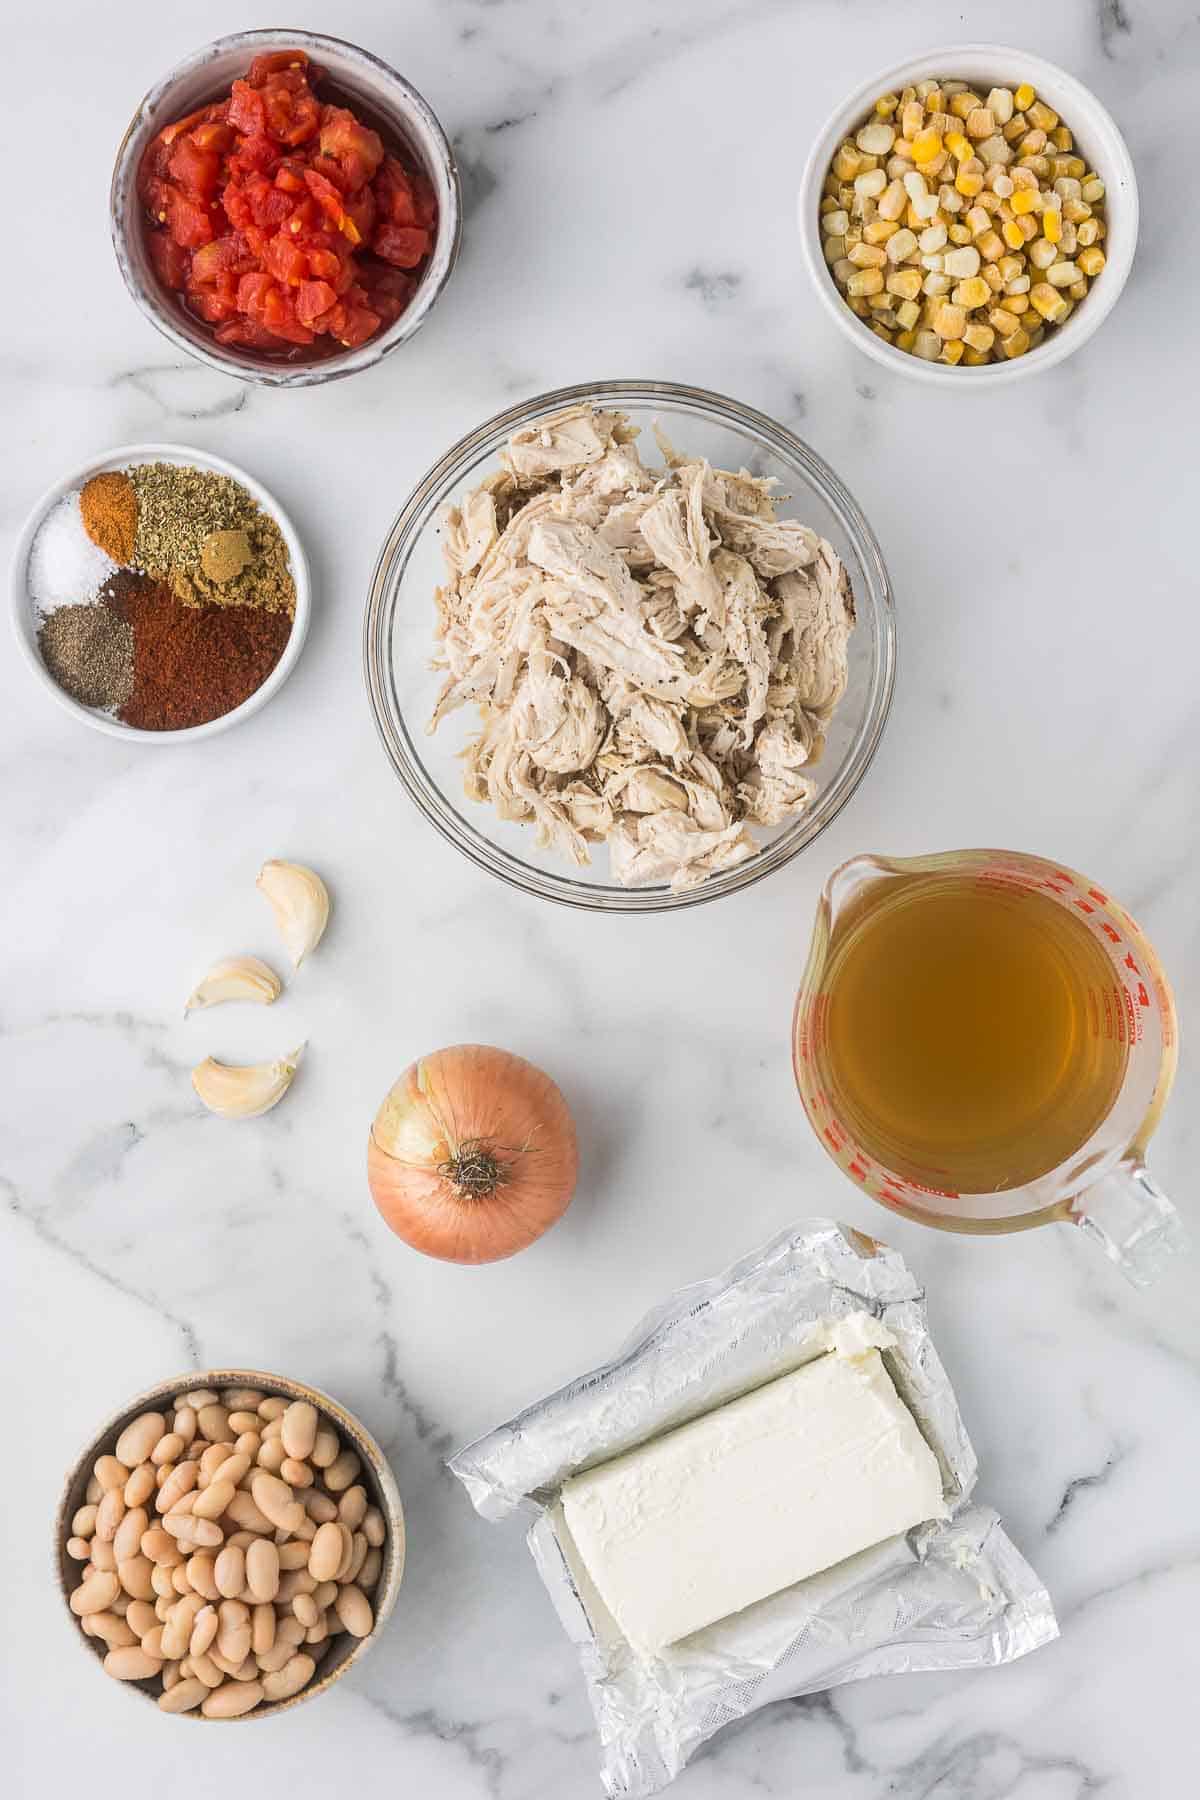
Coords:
64,564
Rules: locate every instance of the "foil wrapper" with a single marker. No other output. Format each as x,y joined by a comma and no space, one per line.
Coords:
952,1594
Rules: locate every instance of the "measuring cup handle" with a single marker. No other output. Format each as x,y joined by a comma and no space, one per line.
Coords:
1134,1223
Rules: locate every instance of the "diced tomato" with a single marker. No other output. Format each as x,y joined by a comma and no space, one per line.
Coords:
323,265
290,176
169,259
361,212
271,62
245,332
214,135
212,304
312,299
393,191
358,149
425,201
196,171
285,260
291,118
254,156
361,324
326,195
247,113
403,245
188,222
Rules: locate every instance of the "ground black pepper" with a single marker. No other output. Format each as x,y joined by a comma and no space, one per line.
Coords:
89,652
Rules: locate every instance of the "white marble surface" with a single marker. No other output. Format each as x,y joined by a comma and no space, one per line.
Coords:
631,171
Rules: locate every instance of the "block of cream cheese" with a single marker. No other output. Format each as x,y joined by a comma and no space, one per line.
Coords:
756,1495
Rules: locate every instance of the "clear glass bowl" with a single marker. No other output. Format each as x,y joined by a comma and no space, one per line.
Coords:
399,641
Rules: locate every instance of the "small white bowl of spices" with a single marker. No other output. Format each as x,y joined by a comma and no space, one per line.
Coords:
969,216
160,593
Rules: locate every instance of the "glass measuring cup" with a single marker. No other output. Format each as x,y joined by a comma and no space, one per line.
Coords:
1103,1185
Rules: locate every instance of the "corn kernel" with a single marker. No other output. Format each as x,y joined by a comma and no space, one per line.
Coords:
935,284
876,138
949,321
879,231
847,163
1012,234
864,282
962,263
928,346
952,352
1015,344
886,105
1041,115
901,245
993,277
991,246
1024,178
949,199
881,331
963,102
926,145
1048,301
1088,233
1016,303
975,359
1018,285
914,186
978,337
980,123
960,234
1016,128
1003,323
972,293
834,250
968,182
1001,184
1078,289
1032,144
932,239
1061,138
959,146
1001,104
858,306
1062,274
892,201
1042,253
1024,201
1076,211
994,149
866,256
908,312
926,208
905,282
906,339
1092,189
979,220
1024,97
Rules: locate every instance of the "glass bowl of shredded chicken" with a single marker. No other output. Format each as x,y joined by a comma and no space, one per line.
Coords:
630,646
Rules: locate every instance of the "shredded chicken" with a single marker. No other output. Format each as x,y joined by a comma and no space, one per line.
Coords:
655,656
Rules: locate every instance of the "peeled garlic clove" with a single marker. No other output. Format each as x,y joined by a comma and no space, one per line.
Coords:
300,902
244,1090
236,978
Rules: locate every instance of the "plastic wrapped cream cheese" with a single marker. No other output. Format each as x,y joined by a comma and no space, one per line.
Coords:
754,1496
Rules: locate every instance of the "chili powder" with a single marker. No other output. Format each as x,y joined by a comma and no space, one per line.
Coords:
191,664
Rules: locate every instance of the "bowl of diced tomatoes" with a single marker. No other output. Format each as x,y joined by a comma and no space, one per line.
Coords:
285,207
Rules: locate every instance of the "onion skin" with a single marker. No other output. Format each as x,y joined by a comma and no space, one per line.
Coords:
472,1102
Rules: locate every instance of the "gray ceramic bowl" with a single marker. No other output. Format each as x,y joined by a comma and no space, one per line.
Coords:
375,1476
384,97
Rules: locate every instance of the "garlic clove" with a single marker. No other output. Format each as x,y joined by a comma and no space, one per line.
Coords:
236,978
300,902
244,1090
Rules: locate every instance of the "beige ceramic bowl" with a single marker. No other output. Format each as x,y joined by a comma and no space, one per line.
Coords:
376,1477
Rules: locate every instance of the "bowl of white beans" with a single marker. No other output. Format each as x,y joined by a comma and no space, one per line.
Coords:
229,1544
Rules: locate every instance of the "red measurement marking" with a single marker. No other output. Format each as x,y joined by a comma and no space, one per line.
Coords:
1084,907
857,1170
1131,965
1095,894
832,1138
1111,933
1143,996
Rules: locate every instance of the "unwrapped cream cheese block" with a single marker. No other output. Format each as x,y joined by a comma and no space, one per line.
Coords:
748,1499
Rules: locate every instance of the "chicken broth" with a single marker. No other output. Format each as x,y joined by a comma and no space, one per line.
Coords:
968,1043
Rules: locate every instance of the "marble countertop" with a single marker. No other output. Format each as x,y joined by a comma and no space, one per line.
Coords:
630,172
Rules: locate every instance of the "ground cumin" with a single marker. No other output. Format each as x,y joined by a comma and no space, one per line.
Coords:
191,663
110,509
179,509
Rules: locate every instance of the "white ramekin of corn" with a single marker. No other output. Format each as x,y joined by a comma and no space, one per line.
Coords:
970,215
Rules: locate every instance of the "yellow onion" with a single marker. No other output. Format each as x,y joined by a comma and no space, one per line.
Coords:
472,1154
